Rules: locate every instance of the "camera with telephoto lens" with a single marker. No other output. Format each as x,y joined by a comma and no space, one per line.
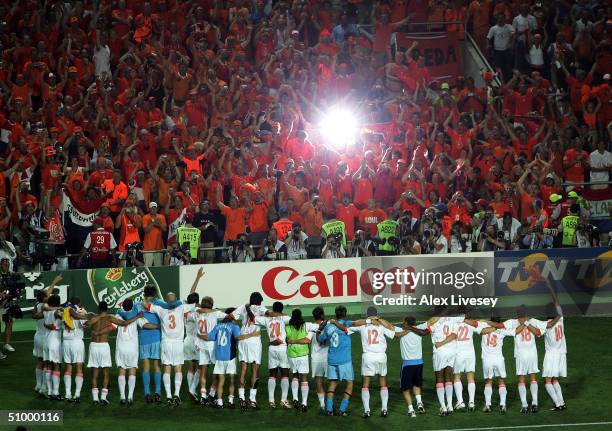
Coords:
501,235
335,239
132,249
45,251
427,233
12,287
377,240
394,241
585,227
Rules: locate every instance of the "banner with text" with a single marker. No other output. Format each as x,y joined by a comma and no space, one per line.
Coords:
389,282
441,52
579,279
113,285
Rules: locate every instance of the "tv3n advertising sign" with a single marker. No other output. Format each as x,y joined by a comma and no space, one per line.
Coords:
113,285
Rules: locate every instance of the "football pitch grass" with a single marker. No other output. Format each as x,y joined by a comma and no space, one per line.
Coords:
586,391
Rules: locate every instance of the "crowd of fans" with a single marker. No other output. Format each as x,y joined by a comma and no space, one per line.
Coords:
195,124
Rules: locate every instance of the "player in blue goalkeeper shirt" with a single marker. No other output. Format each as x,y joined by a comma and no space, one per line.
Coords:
149,341
226,335
339,360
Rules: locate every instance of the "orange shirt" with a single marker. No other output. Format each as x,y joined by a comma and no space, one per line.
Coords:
313,220
526,201
500,208
348,214
162,190
234,221
299,196
576,172
153,238
363,191
129,230
370,218
258,220
283,227
119,192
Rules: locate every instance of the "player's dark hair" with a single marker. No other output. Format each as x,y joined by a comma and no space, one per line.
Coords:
128,304
340,312
102,306
439,310
150,291
462,309
495,318
229,312
75,300
193,298
551,310
54,301
254,299
207,302
41,295
410,320
297,321
318,313
278,307
371,311
521,311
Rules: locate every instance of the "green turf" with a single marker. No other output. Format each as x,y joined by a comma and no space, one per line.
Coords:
586,391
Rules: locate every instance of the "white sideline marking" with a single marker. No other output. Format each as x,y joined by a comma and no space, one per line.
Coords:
583,424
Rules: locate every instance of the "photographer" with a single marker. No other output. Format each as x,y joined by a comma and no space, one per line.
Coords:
408,224
434,242
177,255
10,290
242,251
409,245
296,242
7,250
98,247
333,247
273,248
489,240
362,245
460,240
510,228
584,235
537,238
133,255
208,222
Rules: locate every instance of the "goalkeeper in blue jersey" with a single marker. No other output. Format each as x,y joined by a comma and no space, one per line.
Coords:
339,360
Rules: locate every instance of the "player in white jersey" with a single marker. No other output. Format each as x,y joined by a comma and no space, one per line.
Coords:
318,356
52,353
492,335
126,351
40,335
411,349
206,319
73,349
99,350
465,361
374,332
189,343
525,331
172,315
443,337
190,352
278,362
555,362
172,346
249,349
